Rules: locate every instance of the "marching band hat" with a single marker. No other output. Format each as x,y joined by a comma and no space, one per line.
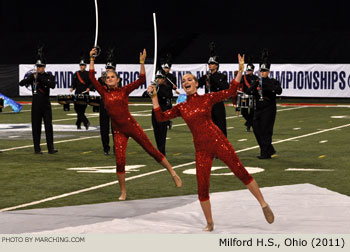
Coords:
110,65
250,67
40,59
111,58
159,74
166,65
82,62
213,57
214,60
40,63
166,61
264,63
265,67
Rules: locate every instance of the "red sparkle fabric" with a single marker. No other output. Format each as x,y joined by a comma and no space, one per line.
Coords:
124,125
208,139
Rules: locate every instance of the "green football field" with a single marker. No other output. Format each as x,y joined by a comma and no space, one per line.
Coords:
312,144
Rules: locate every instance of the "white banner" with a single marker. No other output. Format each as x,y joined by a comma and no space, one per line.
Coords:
297,80
64,73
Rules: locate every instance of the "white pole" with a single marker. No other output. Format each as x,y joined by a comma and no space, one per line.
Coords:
155,47
96,32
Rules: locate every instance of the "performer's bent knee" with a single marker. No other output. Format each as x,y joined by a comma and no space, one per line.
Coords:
247,180
243,175
120,168
160,159
203,194
123,172
158,156
203,198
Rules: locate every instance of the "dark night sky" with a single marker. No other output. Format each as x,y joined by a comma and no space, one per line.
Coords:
293,31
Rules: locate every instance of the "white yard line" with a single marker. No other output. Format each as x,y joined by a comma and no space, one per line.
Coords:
26,110
157,171
298,137
73,118
92,116
87,189
71,140
280,110
56,142
307,169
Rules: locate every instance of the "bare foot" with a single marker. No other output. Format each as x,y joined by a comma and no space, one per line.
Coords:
177,180
122,196
209,227
268,214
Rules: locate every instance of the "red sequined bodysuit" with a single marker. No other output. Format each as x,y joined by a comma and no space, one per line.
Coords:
123,124
209,141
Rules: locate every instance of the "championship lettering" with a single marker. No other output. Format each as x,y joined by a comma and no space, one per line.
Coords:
308,80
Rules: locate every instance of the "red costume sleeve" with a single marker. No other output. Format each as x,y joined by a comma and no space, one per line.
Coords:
96,83
132,86
167,115
216,97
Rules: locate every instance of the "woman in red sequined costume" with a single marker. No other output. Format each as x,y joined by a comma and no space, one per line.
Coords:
115,100
208,139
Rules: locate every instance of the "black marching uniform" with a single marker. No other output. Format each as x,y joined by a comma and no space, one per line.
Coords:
160,129
265,114
248,113
81,82
41,108
105,124
170,79
216,82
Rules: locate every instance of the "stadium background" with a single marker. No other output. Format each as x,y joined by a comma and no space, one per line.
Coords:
295,32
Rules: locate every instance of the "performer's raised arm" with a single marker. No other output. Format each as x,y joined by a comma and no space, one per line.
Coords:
161,116
132,86
96,83
227,93
142,61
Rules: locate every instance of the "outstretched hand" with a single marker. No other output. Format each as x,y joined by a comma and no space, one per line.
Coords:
93,52
241,59
241,62
143,56
152,90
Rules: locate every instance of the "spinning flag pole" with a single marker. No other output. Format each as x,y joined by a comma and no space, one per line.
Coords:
155,47
96,31
153,80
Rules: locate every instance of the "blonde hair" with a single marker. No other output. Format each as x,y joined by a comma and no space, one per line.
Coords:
113,71
194,77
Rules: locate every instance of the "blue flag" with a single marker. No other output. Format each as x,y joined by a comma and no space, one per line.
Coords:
16,107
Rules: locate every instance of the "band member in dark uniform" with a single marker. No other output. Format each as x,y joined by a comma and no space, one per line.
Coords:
264,91
105,121
170,79
40,83
215,81
248,79
165,93
82,85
